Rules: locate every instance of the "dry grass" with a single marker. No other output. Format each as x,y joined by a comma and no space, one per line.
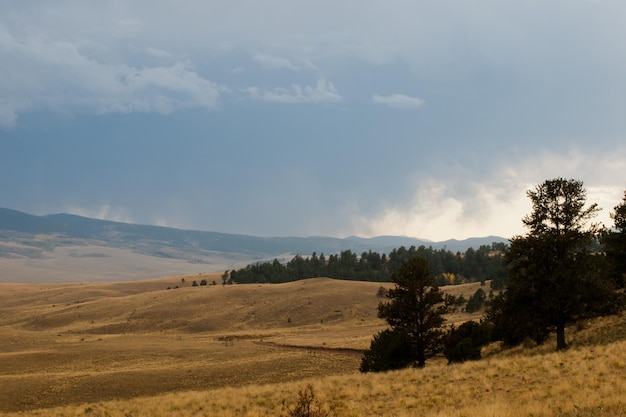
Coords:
69,343
136,349
582,382
89,261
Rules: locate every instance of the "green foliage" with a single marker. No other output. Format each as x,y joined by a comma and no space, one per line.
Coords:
614,245
476,301
389,350
513,322
451,303
465,342
307,405
194,284
203,282
416,309
472,266
554,278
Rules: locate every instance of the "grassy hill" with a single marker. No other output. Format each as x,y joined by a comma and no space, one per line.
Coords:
138,348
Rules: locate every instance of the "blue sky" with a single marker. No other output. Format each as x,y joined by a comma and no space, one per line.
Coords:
299,118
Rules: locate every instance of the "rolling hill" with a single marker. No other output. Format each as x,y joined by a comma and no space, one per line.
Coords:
137,348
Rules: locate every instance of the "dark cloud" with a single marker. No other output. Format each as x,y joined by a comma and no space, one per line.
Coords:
421,118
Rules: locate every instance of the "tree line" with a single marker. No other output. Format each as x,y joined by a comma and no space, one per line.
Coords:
564,269
484,263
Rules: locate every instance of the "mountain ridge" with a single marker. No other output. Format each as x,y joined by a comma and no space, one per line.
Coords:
27,239
89,228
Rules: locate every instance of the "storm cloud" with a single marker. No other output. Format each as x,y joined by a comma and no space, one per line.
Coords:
420,118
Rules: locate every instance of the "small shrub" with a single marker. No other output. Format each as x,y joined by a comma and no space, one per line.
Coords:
203,282
194,284
476,301
389,349
307,405
382,292
464,343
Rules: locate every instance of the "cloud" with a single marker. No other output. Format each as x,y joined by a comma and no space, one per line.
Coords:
437,211
462,205
428,38
158,53
158,89
64,76
271,62
398,101
595,167
601,170
323,92
278,63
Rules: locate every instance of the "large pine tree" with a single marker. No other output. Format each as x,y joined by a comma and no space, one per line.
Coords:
554,277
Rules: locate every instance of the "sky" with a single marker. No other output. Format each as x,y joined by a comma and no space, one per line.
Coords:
420,118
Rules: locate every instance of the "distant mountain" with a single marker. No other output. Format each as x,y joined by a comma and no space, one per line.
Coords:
192,244
388,243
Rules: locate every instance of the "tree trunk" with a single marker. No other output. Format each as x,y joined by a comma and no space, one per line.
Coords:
560,337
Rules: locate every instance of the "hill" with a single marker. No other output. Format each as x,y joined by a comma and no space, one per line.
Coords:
68,343
64,247
137,348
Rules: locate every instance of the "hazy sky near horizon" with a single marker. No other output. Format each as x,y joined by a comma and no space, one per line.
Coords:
421,118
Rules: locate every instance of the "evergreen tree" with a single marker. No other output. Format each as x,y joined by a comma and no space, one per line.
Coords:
554,278
390,349
474,265
476,301
614,242
464,343
416,309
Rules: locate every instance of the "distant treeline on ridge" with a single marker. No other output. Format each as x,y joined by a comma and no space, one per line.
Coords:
484,263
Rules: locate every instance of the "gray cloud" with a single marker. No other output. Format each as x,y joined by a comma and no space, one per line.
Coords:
398,101
323,92
271,62
462,205
51,74
515,92
441,41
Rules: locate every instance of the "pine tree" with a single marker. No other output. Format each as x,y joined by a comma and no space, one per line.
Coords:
416,309
554,278
614,242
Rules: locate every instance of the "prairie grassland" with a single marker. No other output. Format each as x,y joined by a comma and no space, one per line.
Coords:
583,381
136,349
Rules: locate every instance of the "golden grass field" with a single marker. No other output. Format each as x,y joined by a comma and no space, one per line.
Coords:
139,349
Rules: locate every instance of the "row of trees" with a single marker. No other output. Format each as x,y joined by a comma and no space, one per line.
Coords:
555,277
448,268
